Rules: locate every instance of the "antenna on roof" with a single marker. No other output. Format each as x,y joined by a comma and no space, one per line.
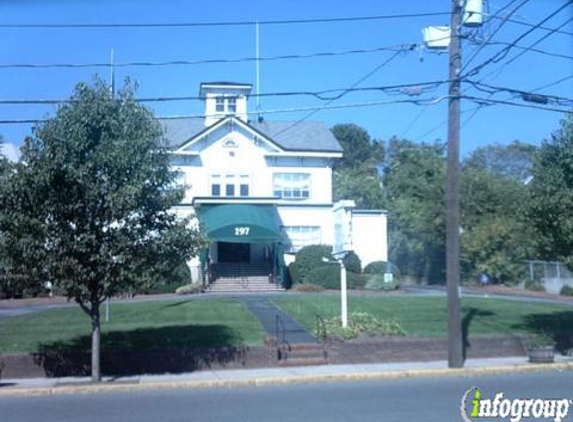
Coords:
258,72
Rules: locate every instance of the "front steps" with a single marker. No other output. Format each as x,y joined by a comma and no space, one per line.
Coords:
302,354
242,277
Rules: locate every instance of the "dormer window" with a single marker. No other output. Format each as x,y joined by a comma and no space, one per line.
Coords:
220,104
224,99
226,105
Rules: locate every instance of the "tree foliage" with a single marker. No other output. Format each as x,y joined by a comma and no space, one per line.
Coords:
551,202
496,234
514,160
414,180
356,174
88,207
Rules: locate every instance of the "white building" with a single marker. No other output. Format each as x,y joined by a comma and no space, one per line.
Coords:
261,189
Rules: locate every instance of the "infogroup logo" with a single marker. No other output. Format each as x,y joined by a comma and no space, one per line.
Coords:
474,406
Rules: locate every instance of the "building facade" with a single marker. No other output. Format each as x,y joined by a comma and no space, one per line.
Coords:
260,189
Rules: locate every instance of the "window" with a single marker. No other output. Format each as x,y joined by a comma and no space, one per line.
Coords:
230,185
297,237
291,185
220,104
232,105
227,105
215,185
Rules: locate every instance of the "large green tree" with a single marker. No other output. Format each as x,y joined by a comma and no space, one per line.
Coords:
356,175
414,181
89,206
551,189
514,160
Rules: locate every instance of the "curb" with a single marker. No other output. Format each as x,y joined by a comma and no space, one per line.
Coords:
282,380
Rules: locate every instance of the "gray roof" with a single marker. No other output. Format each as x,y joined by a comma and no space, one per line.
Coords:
290,135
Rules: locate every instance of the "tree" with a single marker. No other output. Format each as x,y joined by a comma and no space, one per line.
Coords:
514,160
359,149
414,179
552,195
496,237
356,174
90,203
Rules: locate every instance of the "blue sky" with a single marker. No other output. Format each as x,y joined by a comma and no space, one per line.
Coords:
500,123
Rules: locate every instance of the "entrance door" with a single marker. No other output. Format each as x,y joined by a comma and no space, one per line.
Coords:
233,252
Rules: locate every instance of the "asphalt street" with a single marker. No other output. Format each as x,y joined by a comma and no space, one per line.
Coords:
405,400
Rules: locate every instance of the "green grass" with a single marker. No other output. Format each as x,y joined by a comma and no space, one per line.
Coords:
427,316
136,326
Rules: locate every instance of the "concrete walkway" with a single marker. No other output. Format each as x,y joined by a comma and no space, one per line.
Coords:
273,376
275,321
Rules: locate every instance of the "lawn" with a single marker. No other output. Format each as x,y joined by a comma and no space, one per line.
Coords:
426,316
136,326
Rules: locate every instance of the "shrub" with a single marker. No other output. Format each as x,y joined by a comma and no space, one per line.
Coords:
308,288
376,282
534,286
352,263
292,271
379,267
189,289
359,323
375,267
566,290
309,258
178,276
328,276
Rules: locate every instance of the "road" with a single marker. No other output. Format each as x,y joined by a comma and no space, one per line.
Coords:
404,400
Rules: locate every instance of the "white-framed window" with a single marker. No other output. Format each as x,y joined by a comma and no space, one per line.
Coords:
219,104
297,237
215,185
230,185
227,105
291,185
231,104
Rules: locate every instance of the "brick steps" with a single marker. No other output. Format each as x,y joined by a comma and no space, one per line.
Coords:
302,355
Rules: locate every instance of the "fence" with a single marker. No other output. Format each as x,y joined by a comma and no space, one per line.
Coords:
553,275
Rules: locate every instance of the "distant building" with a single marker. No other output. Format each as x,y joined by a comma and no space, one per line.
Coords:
260,189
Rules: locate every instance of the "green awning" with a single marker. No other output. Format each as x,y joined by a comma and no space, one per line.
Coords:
240,223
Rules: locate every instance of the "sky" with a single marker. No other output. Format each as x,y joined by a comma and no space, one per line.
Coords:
493,124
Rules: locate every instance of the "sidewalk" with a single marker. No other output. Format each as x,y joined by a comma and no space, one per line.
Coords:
276,376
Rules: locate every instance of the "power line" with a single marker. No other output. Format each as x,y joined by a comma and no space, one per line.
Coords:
400,47
353,86
504,21
208,24
534,50
531,25
503,52
537,42
491,89
474,54
423,101
404,89
489,101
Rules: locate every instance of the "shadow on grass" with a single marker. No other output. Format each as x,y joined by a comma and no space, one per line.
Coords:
559,325
158,350
471,313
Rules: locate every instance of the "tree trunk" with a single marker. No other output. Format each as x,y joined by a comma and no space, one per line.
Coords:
96,340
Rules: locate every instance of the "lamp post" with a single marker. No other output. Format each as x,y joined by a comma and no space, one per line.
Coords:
343,291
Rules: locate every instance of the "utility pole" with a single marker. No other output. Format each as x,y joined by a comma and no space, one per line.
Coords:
455,351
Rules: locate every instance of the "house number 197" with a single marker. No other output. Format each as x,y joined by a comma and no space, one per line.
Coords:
242,231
